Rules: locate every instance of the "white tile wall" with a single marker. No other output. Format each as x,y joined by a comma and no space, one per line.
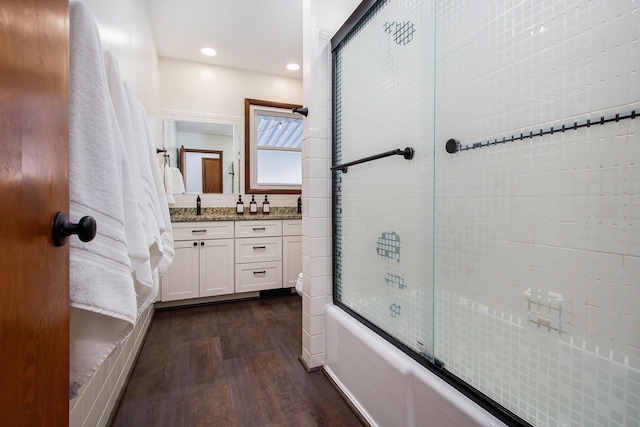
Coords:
316,205
97,397
552,215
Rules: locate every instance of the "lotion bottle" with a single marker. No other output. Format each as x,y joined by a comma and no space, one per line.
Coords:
198,206
253,206
265,206
240,206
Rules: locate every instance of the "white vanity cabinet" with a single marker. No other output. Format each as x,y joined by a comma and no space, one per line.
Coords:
258,255
203,262
291,252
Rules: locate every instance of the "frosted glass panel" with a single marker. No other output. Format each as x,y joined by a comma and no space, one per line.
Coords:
384,208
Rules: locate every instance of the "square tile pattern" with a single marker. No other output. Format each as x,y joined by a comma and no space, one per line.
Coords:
537,242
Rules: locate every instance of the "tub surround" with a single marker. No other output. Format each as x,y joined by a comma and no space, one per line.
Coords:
229,214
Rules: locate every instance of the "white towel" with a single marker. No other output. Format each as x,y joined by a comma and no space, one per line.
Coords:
103,300
168,184
168,251
149,196
178,181
138,247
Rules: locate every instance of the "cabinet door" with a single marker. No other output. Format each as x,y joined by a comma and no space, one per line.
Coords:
291,260
216,267
181,281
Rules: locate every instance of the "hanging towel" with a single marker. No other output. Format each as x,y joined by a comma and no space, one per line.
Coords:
138,247
102,297
149,196
168,184
163,205
178,181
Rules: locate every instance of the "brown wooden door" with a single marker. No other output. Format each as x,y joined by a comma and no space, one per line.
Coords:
34,171
212,174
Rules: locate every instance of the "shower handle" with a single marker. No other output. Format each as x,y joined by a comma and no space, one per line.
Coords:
407,153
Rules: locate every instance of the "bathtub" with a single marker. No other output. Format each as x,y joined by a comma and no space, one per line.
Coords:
388,387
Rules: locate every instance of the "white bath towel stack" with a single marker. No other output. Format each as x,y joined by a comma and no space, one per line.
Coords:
103,301
114,177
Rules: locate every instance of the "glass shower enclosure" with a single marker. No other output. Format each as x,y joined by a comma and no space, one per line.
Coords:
513,275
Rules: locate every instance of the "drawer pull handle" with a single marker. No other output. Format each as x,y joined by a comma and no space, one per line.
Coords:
201,243
259,228
259,247
198,231
195,244
260,272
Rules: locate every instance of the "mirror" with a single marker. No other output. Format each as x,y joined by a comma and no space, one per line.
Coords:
206,153
273,148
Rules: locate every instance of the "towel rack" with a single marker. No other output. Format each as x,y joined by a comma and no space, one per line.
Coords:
407,153
453,145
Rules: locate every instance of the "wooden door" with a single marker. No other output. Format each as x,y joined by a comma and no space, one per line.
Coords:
34,184
212,174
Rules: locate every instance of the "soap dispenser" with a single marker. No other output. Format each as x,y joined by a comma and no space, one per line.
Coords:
198,206
300,204
239,206
265,206
253,206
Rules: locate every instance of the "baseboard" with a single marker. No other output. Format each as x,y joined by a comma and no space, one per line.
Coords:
346,398
306,366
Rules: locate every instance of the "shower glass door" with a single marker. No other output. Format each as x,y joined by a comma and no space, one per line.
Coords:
383,208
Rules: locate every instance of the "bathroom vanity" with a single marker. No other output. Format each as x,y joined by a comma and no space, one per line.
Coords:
220,254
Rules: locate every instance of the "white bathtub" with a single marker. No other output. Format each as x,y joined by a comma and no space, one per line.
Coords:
388,387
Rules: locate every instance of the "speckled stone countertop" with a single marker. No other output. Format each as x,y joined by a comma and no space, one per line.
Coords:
229,214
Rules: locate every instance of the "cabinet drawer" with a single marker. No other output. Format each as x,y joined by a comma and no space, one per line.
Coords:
258,228
258,250
292,227
258,276
203,230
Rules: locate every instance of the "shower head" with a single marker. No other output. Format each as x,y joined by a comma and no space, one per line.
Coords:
300,110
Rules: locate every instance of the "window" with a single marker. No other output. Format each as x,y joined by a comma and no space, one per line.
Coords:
273,148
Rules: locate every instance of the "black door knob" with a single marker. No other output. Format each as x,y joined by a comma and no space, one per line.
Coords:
62,228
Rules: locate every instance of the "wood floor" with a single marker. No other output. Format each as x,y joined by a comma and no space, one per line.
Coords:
231,364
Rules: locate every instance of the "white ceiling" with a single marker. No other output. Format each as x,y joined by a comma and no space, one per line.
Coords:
256,35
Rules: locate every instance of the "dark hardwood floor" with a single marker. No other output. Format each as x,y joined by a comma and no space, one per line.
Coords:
230,364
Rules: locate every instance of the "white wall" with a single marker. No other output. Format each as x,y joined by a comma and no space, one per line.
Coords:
219,92
125,30
321,18
208,89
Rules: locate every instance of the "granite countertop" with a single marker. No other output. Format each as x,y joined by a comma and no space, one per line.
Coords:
229,214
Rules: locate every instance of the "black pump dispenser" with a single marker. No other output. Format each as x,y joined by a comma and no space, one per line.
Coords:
253,206
240,206
198,206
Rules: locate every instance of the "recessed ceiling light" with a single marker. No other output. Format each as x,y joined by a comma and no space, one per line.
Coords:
208,51
293,67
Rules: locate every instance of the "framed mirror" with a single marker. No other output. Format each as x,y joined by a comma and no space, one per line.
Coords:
205,152
273,148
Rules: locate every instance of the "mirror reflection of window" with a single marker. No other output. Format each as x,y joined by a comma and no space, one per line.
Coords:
273,148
